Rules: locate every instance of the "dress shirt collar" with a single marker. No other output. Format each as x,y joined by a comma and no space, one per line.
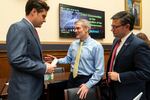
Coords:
125,38
29,21
87,39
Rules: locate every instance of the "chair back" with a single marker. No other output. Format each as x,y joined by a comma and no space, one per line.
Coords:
93,94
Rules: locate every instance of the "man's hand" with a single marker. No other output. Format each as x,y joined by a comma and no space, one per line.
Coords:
50,67
49,58
83,91
113,76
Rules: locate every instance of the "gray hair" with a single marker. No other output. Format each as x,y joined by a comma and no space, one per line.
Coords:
85,23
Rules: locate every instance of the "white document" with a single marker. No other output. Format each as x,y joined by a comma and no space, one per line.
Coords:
54,62
138,96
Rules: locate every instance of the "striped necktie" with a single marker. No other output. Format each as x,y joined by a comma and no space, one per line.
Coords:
75,70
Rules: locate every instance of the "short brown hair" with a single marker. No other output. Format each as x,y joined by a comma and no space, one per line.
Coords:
39,5
125,18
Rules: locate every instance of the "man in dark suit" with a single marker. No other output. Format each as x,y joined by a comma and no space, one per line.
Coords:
130,68
25,55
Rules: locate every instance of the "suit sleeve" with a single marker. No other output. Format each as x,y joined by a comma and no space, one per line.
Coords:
18,55
141,66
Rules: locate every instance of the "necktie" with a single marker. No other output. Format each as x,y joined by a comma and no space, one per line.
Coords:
113,56
75,70
36,32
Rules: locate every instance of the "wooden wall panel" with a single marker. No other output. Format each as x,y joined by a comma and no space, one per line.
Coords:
5,67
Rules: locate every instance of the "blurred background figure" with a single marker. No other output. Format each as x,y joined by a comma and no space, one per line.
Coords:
135,12
145,38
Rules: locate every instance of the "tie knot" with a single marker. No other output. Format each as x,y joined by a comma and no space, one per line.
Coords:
81,43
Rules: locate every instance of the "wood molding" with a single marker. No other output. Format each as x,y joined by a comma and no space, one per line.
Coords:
6,69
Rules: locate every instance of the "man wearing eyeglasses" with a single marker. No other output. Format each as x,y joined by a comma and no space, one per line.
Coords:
128,67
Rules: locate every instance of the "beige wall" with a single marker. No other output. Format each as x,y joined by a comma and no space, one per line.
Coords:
13,10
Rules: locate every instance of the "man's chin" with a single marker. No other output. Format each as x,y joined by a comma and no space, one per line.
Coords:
77,37
38,26
115,35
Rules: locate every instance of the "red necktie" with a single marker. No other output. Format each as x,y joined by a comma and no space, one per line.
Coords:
36,33
113,56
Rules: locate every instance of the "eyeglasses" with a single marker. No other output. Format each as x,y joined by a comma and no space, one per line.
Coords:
115,26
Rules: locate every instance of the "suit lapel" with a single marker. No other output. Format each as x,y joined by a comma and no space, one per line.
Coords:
125,46
33,33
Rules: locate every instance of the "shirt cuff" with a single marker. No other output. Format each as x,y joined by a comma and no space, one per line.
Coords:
46,69
119,78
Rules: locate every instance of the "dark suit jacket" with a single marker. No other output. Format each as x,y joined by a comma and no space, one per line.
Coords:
25,57
133,65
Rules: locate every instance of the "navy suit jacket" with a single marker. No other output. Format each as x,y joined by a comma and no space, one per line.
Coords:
25,57
133,65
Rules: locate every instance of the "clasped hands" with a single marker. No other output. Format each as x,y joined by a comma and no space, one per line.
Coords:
50,67
113,76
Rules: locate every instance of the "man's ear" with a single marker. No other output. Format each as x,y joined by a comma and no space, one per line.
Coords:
128,26
87,29
33,11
